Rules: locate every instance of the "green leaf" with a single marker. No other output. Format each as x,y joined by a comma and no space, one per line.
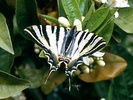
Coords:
130,2
106,28
125,19
102,88
61,9
34,76
83,6
122,85
50,18
11,85
42,54
7,59
88,15
72,10
107,31
26,14
5,40
97,18
118,34
108,19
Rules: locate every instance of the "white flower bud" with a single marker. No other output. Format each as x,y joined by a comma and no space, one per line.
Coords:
36,46
86,70
102,99
83,18
104,1
83,67
63,21
101,63
36,50
118,3
78,24
91,60
97,58
116,14
100,58
77,72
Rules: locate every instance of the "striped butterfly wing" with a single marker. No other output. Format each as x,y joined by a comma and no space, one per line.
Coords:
52,39
90,44
83,44
49,38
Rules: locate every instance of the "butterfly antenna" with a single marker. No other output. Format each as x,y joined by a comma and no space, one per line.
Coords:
69,83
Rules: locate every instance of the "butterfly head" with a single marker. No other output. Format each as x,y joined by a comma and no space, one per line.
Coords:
70,65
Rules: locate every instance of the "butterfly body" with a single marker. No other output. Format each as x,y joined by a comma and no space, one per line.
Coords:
63,45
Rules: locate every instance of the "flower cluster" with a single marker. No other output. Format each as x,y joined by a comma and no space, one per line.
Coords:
115,4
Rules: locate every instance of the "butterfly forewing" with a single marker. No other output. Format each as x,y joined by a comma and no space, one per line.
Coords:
48,37
84,44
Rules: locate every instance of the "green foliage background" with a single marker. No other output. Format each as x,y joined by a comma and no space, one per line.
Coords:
22,70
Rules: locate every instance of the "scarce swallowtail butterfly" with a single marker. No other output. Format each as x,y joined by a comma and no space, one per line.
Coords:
63,45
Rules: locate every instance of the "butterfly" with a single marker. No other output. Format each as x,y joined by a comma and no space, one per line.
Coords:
64,45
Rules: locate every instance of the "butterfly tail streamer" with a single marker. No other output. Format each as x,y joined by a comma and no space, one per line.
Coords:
70,83
50,72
